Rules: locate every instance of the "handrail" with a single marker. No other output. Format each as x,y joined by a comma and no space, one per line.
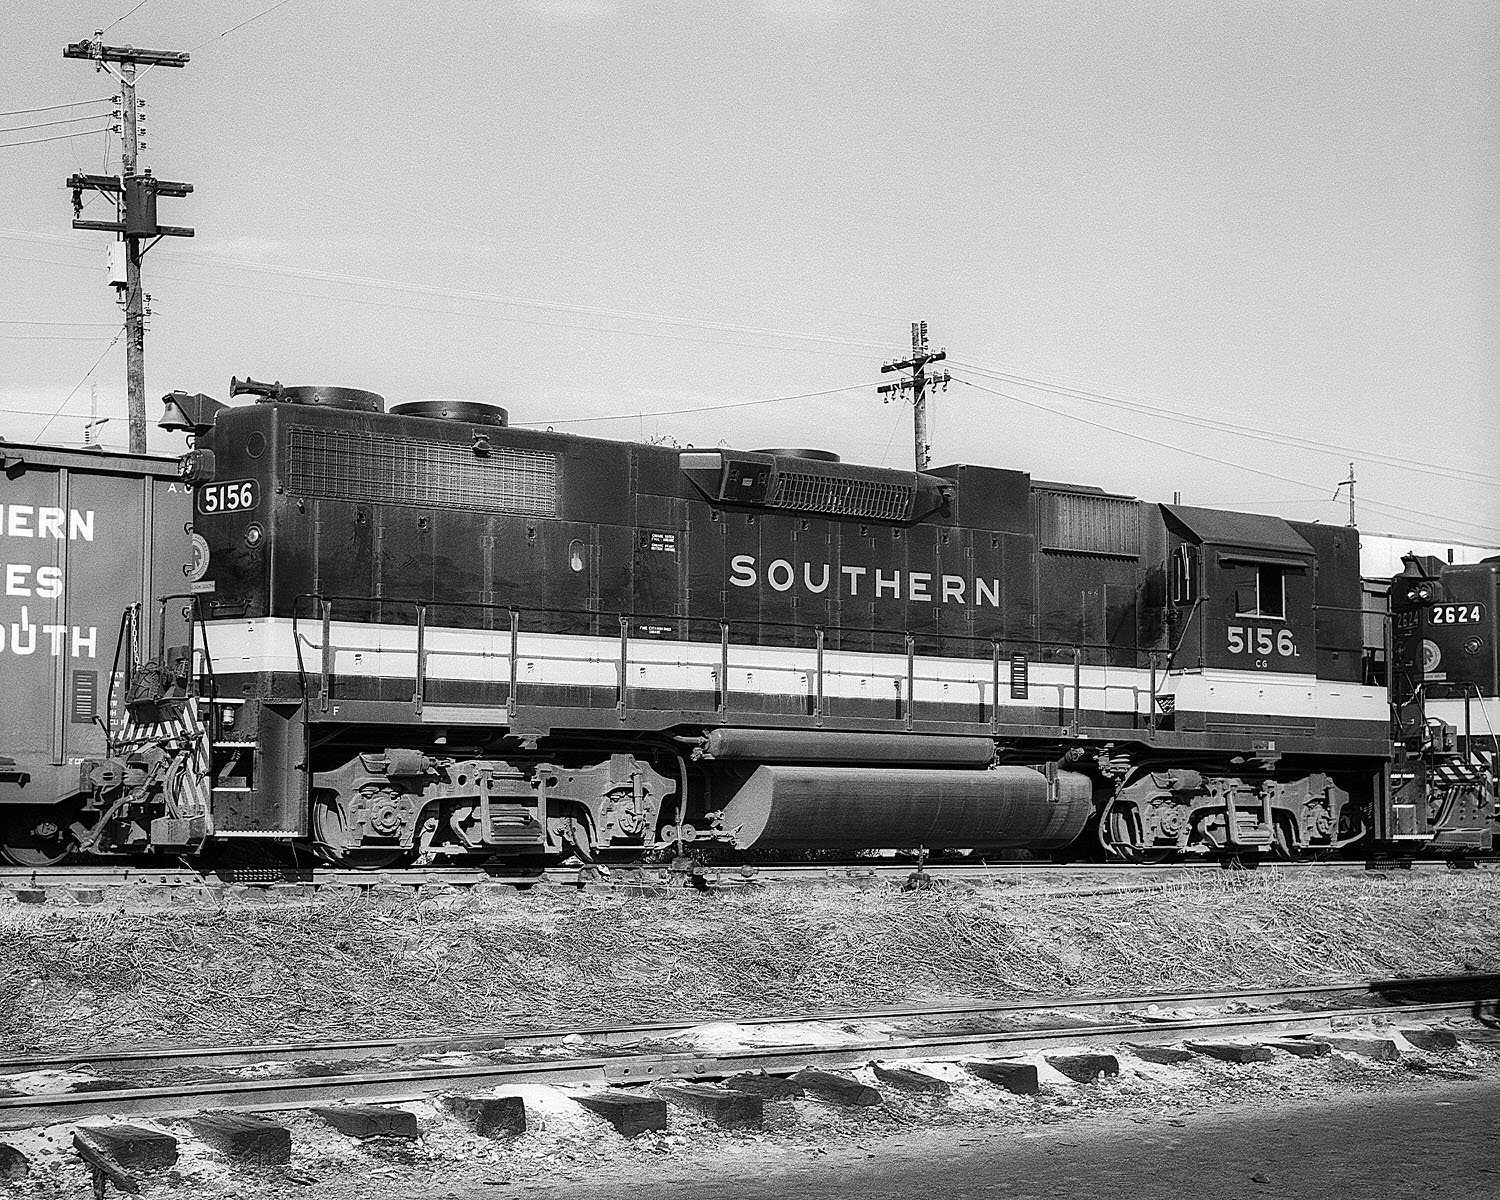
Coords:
817,677
673,618
195,618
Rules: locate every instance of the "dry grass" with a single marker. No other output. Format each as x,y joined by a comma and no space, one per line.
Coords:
395,965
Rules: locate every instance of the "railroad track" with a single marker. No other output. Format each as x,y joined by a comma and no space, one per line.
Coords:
36,884
141,1082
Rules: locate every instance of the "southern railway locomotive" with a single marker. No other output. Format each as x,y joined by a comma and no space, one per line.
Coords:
424,635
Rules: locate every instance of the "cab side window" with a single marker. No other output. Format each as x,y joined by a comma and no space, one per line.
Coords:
1266,597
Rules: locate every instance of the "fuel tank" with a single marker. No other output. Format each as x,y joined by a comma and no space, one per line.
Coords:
831,746
853,808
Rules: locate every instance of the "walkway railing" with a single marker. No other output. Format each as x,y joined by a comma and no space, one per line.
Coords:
819,667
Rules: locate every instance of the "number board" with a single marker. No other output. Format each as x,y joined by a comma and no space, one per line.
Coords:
1455,614
240,495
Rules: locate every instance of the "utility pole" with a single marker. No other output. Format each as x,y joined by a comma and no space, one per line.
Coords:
91,429
917,384
1348,483
135,207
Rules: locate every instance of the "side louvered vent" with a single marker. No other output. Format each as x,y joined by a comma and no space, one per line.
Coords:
842,497
1088,524
336,465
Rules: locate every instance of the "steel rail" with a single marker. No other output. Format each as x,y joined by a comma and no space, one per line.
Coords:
26,1111
1380,991
647,876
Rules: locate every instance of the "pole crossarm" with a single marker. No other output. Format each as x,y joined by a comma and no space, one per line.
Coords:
99,52
99,183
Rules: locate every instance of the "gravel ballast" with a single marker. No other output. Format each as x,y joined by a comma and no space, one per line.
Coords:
368,965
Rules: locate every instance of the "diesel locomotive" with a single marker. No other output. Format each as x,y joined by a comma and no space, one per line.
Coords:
424,635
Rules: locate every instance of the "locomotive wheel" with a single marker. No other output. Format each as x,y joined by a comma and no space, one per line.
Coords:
1283,846
38,837
332,836
1120,836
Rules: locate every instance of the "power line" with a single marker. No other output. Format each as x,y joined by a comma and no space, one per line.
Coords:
56,137
1223,462
673,412
367,302
78,385
23,112
592,310
128,15
425,289
52,337
49,124
241,25
105,324
1444,471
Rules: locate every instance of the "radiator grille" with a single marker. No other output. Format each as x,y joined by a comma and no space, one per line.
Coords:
339,465
1089,524
842,497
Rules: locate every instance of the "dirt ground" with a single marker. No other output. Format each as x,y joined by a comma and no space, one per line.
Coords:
388,965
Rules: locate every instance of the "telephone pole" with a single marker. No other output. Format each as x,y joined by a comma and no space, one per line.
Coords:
1347,483
917,384
135,208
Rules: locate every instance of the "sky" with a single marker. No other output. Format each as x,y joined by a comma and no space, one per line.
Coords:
1213,249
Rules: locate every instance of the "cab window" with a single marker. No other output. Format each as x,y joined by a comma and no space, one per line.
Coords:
1266,597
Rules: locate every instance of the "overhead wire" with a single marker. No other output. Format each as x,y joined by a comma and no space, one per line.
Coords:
1377,505
1442,470
674,412
49,124
52,337
1223,462
518,301
58,412
263,12
128,15
56,137
24,112
364,281
367,302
